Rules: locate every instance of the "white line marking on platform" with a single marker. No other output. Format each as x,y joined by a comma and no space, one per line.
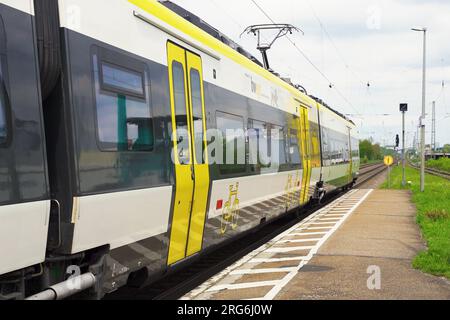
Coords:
246,285
330,219
269,260
319,223
318,228
305,234
299,240
288,249
349,201
259,271
276,290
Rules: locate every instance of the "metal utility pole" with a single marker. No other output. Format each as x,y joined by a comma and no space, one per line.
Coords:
418,138
433,130
422,118
403,109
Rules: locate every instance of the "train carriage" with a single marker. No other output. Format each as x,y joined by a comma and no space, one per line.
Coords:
133,176
24,187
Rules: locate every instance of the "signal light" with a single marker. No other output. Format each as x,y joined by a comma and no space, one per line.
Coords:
219,204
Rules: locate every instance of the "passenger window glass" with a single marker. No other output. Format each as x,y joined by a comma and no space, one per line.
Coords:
260,132
183,137
294,149
232,129
197,109
124,116
278,134
355,149
119,78
3,122
315,141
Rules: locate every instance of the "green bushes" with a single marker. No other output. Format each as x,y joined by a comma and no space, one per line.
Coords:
442,164
372,152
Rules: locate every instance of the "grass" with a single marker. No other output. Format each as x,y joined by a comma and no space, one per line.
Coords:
433,216
442,164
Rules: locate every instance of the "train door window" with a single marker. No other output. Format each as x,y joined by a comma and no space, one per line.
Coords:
3,95
183,137
252,147
3,122
315,140
197,110
326,147
355,149
259,132
278,139
294,148
124,119
232,130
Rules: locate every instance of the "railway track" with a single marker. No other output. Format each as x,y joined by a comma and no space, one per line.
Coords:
438,173
176,284
368,172
431,171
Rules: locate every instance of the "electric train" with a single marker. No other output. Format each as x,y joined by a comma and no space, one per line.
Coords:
106,165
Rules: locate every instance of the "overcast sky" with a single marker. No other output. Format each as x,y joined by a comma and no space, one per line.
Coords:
361,41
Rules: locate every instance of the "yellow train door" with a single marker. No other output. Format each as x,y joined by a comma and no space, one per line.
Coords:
350,156
189,154
306,155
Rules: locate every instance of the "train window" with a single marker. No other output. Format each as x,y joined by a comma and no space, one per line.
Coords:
117,79
326,147
278,138
124,117
259,136
355,149
315,144
232,130
3,128
197,110
183,137
3,119
338,148
294,148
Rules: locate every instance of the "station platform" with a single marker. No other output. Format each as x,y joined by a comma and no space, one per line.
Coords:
359,247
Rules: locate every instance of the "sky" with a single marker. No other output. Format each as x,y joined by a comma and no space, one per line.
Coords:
350,44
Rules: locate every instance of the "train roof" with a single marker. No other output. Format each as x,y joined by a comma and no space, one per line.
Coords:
197,21
323,103
206,27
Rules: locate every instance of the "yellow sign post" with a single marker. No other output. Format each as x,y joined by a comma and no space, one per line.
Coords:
389,161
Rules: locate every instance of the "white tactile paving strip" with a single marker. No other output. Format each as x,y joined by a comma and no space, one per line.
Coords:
285,248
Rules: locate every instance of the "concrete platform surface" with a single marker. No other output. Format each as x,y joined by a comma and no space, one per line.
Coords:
370,257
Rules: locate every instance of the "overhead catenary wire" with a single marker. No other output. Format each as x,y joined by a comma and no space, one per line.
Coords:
232,18
303,54
339,53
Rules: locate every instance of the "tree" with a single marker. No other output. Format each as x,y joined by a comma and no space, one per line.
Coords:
377,154
371,151
365,149
446,148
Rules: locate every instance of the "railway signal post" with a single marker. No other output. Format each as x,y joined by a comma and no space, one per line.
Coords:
403,110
